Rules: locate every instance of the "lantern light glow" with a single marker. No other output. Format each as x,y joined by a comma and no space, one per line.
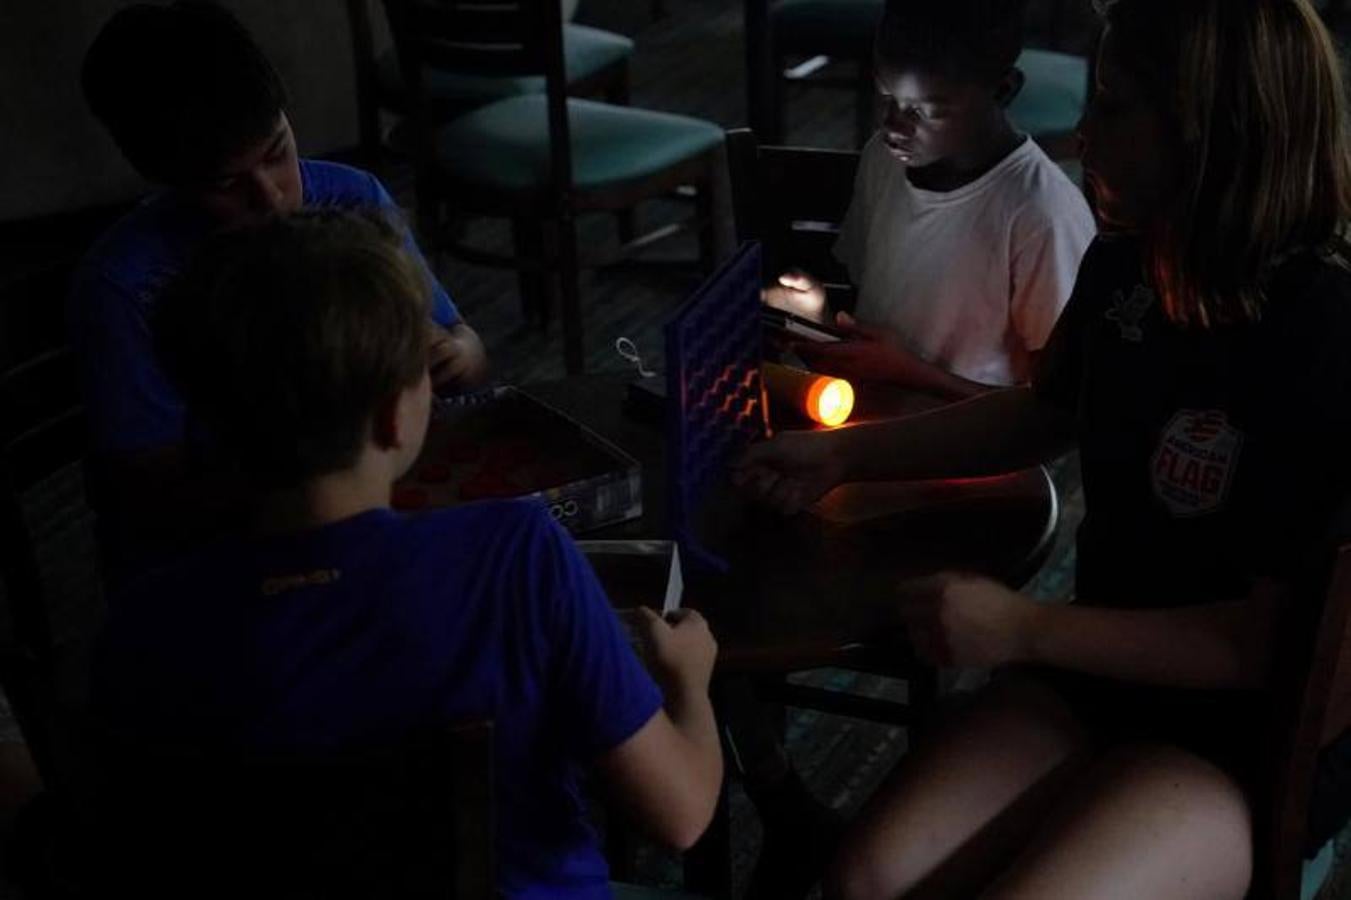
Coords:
822,399
830,401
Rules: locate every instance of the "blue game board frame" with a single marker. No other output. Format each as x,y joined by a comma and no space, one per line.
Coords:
715,396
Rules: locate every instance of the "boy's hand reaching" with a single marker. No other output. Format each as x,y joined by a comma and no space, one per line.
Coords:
966,620
798,293
456,358
790,470
868,353
681,649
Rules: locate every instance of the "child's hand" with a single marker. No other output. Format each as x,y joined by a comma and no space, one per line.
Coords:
966,620
798,293
868,353
456,358
790,470
681,649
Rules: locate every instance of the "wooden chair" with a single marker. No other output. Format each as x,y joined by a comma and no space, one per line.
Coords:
1048,107
537,159
1312,705
596,64
793,201
48,558
411,819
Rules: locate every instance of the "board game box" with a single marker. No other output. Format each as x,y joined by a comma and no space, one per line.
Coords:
638,573
505,443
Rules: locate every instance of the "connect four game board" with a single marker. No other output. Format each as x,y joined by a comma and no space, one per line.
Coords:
716,404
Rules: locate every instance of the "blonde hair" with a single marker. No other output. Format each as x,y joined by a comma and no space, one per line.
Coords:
1254,92
285,337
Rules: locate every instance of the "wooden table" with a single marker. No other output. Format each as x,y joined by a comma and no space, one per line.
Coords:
806,591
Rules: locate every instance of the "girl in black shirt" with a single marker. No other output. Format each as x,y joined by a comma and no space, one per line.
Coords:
1203,369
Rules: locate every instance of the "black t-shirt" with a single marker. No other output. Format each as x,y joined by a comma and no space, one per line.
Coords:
1212,456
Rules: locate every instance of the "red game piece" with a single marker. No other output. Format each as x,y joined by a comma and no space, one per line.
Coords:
488,484
434,473
409,498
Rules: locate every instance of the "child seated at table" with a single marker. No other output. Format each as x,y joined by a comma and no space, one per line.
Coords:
1201,367
963,238
301,344
197,108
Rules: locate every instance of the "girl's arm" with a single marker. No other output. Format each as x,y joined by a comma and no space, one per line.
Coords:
967,620
994,433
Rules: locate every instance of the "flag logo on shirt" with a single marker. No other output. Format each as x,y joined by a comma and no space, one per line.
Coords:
1194,464
1128,312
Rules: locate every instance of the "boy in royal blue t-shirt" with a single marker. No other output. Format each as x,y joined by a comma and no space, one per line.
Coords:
197,108
301,347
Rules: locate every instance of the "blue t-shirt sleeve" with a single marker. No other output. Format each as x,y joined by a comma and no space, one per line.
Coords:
129,402
603,690
444,312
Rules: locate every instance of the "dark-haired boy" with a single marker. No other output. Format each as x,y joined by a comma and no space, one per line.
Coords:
301,347
963,238
196,107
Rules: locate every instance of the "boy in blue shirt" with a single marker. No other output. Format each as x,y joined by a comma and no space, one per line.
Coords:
196,107
301,346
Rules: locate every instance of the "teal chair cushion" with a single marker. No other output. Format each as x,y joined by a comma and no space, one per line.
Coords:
586,51
840,28
1316,871
1054,92
505,145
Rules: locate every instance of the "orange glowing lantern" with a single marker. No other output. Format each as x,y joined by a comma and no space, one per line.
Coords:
820,398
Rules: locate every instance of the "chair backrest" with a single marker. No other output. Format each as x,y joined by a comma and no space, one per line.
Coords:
1312,706
487,37
793,200
413,819
42,441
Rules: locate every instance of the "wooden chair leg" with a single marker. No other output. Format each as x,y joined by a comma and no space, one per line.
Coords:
626,224
569,293
531,277
761,76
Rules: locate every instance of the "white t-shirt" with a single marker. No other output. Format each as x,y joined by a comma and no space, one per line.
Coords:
973,279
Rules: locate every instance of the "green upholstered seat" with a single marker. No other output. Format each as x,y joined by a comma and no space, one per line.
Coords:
505,145
1316,872
586,51
1053,94
842,28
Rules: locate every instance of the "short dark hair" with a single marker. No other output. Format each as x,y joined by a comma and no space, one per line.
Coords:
285,337
181,88
970,39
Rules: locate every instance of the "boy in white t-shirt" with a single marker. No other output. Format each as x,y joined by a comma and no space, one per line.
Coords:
963,238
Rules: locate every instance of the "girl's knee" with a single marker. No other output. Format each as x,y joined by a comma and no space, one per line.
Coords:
859,874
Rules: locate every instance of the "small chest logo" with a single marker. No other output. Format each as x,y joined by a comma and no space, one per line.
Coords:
1128,311
1195,461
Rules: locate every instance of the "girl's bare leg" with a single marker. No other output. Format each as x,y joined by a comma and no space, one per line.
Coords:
961,804
1147,821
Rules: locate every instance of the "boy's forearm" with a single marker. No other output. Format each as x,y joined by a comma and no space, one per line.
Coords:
996,432
947,385
691,712
1207,647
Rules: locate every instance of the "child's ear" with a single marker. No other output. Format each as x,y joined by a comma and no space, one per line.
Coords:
1009,86
387,424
